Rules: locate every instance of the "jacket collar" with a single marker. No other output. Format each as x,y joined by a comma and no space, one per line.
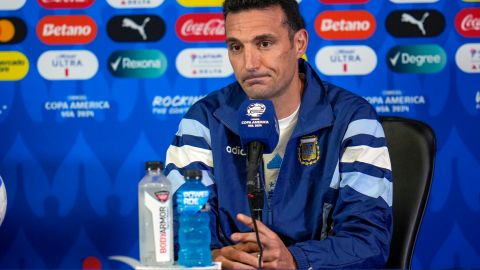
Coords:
315,110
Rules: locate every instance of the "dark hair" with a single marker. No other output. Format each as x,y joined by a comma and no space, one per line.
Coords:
294,20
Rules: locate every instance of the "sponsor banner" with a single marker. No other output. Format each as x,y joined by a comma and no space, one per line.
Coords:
471,0
477,100
137,63
413,1
61,30
343,24
467,58
67,65
135,3
11,4
13,66
427,58
12,30
204,63
61,4
136,28
415,23
346,60
467,22
201,3
170,105
201,27
76,106
344,1
394,101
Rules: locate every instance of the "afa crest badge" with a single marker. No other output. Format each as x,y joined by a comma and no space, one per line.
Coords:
308,150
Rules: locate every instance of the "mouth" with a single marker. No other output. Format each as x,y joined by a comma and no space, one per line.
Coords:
253,79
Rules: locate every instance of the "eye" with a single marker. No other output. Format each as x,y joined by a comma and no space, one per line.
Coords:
234,47
265,44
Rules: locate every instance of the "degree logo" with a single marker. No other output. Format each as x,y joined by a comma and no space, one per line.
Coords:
61,4
201,3
12,30
13,66
354,24
427,58
137,63
11,4
75,29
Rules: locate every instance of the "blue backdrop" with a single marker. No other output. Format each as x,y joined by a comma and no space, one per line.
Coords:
81,110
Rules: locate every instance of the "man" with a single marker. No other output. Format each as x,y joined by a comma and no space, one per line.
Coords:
328,182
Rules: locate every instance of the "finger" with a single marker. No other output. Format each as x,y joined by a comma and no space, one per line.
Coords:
239,256
228,264
262,228
249,247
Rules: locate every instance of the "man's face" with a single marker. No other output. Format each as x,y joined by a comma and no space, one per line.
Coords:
263,57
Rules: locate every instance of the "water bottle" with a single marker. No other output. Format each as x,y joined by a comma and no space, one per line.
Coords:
155,217
194,230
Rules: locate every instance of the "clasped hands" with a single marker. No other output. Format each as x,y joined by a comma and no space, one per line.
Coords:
244,254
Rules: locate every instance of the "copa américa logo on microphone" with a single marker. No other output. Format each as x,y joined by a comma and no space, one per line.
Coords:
255,109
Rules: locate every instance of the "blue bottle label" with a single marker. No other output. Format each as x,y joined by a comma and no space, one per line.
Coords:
192,201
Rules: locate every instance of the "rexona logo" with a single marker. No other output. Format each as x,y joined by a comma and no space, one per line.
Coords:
198,27
12,30
344,1
70,4
415,23
11,4
346,60
137,63
417,59
135,3
354,24
201,3
13,66
413,1
136,28
468,58
67,65
467,22
75,29
204,63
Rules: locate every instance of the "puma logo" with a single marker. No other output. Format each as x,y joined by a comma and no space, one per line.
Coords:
129,23
419,23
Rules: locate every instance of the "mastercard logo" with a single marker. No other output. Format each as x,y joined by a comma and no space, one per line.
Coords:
201,3
12,30
14,66
77,29
347,25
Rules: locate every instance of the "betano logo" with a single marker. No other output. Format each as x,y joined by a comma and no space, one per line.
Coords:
11,4
468,58
354,24
201,3
135,3
61,4
137,63
12,30
346,60
75,29
67,65
467,22
198,27
13,66
344,1
427,58
204,63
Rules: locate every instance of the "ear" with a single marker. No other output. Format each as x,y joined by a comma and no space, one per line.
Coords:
300,41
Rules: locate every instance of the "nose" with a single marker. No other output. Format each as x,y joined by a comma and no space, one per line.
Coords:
252,61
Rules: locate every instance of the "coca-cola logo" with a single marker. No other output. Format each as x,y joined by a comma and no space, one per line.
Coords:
342,24
201,27
467,22
54,4
75,29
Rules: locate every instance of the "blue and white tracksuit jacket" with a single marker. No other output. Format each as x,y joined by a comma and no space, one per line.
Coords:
332,202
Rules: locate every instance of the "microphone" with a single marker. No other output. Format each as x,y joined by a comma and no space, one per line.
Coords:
258,135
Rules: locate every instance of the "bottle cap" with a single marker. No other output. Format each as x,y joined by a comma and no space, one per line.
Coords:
154,165
193,174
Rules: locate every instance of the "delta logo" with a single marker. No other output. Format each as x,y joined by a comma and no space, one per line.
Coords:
201,27
11,4
427,58
137,63
12,30
346,25
59,30
346,60
204,63
67,65
62,4
135,3
13,66
467,58
201,3
333,2
467,22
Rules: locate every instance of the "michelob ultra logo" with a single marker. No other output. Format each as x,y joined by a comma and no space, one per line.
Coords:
13,66
67,65
428,58
11,4
343,24
75,29
346,60
201,3
12,30
60,4
137,63
135,3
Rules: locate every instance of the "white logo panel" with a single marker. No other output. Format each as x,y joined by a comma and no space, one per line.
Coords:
204,63
11,4
67,65
346,60
135,3
467,58
413,1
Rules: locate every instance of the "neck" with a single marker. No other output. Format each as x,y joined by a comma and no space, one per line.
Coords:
285,105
